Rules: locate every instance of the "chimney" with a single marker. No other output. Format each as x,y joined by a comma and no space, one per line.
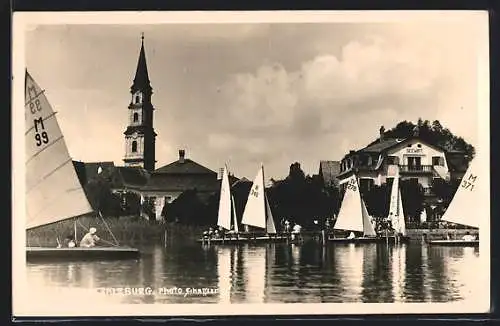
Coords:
182,154
381,131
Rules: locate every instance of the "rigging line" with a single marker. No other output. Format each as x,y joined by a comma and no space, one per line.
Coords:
34,98
43,149
103,240
48,175
111,232
44,119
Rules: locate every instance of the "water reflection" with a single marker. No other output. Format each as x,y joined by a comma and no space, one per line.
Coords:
280,273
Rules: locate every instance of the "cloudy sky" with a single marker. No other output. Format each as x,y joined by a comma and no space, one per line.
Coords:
264,92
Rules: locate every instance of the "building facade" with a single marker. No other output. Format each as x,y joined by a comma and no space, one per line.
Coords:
414,158
140,136
170,181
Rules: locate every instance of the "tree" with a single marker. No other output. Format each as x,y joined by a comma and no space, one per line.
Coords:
412,195
189,209
433,133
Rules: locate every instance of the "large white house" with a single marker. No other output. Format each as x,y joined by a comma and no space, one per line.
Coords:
415,158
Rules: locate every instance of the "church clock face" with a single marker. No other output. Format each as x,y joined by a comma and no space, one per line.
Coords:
134,135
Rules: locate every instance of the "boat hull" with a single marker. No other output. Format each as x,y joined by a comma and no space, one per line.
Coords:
454,243
244,239
78,253
369,240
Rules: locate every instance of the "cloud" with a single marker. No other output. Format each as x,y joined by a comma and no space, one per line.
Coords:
336,102
251,93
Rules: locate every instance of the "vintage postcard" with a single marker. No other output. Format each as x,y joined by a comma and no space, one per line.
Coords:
239,163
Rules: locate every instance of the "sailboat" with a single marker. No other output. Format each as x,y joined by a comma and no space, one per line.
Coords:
258,212
353,215
396,211
227,209
463,209
53,191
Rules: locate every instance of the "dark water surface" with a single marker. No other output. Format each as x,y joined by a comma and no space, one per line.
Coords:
276,273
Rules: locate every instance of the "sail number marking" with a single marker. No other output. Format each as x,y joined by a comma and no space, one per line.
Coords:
469,183
351,185
255,192
41,136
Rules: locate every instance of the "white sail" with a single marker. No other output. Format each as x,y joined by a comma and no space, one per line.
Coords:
270,227
463,207
423,216
255,208
394,201
224,219
368,229
401,216
159,203
53,191
350,213
235,217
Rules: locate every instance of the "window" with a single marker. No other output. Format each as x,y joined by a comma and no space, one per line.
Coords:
414,163
392,160
134,146
419,145
437,160
137,99
136,117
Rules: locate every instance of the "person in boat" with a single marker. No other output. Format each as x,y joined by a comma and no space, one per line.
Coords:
287,226
468,237
296,232
351,235
89,240
69,242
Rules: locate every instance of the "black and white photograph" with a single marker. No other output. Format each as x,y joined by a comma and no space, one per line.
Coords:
240,163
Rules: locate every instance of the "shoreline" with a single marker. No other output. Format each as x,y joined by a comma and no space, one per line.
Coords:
133,230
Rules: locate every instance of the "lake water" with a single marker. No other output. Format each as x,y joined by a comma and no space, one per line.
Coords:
275,273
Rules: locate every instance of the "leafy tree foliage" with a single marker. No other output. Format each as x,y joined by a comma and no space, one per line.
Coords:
433,133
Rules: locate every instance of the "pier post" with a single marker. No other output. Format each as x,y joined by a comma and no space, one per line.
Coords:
323,238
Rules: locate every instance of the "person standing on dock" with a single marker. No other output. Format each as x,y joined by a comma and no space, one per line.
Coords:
89,240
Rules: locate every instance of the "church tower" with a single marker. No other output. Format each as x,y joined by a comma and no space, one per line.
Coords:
140,136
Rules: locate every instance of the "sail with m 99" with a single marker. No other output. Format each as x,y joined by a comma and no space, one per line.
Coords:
53,191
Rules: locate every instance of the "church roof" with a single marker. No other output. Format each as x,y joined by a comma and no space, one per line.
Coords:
181,183
141,79
184,166
130,177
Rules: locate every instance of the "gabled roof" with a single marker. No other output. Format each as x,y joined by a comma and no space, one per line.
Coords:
87,171
179,182
130,177
386,144
381,146
185,166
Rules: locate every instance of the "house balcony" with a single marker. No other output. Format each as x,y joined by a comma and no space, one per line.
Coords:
419,169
